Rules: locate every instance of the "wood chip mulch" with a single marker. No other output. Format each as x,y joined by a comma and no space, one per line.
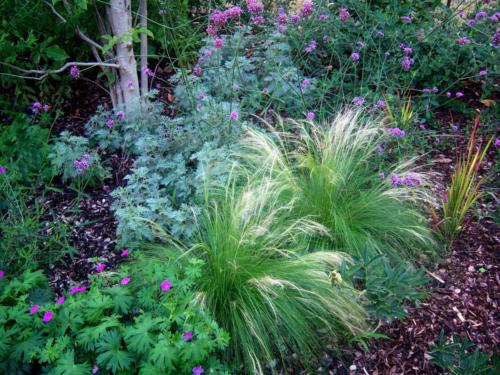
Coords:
466,305
93,227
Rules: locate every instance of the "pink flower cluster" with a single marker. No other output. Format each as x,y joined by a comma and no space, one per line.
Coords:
3,170
307,8
344,14
219,18
82,165
255,6
36,107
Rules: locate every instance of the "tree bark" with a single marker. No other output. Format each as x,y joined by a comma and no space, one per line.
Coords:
143,13
120,20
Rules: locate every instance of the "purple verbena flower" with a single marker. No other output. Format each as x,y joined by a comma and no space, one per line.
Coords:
197,70
110,122
73,71
125,281
233,116
60,300
355,56
406,63
311,46
310,116
218,42
471,22
497,142
483,72
258,20
463,40
2,274
406,19
295,18
305,84
380,104
396,132
307,8
124,252
255,6
459,94
207,53
358,100
344,14
120,114
323,17
3,170
411,179
198,370
34,309
382,175
187,336
481,14
148,72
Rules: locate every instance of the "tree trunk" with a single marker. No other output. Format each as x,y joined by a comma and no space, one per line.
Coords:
143,13
120,20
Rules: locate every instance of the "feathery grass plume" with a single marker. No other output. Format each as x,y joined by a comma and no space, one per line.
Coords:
260,287
326,171
464,189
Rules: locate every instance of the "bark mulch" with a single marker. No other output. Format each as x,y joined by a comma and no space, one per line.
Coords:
465,303
92,223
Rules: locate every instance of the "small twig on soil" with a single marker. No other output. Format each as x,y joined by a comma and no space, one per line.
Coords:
434,276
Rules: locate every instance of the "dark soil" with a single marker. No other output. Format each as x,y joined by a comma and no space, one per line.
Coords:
92,223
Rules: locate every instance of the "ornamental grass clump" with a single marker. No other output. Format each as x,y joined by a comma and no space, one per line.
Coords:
329,174
263,289
465,187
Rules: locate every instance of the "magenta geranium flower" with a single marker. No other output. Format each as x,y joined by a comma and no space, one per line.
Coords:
34,309
124,252
2,274
47,316
125,281
198,370
100,267
166,285
77,289
187,336
60,300
3,170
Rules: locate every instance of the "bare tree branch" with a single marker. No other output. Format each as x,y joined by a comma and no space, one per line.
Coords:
44,73
58,15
